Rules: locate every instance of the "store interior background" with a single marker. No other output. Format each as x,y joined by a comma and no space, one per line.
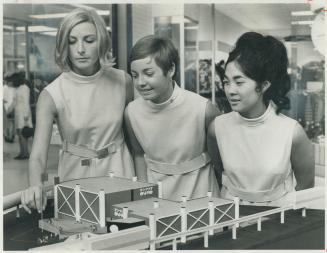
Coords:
203,34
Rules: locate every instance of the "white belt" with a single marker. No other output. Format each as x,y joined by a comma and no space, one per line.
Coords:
180,168
258,196
89,153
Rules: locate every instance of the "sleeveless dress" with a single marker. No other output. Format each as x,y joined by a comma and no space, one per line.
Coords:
173,137
256,157
89,117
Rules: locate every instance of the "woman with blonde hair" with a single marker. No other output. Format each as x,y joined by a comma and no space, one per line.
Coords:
87,101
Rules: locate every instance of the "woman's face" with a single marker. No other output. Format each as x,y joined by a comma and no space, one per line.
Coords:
83,49
241,92
150,80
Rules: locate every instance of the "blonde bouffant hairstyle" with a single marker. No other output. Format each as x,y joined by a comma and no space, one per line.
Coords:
75,17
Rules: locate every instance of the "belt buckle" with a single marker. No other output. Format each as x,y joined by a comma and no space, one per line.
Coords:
85,162
112,148
102,153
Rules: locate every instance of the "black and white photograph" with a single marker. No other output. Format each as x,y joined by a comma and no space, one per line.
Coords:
163,125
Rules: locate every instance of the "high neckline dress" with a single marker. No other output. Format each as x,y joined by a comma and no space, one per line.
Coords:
90,115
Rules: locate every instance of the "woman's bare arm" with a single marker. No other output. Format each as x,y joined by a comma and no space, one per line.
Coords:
136,150
302,159
45,114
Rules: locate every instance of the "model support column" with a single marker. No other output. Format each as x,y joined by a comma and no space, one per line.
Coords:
183,223
153,229
282,217
184,199
77,205
111,174
237,209
206,239
234,231
209,195
55,193
211,216
102,208
134,179
259,224
125,212
304,212
174,244
159,189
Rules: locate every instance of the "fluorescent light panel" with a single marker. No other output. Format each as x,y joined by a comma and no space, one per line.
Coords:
173,19
191,27
8,27
45,30
302,22
37,28
61,15
49,33
302,13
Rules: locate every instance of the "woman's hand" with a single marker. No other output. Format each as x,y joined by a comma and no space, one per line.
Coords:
31,199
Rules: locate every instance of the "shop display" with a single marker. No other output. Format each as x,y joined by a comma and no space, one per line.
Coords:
91,215
205,76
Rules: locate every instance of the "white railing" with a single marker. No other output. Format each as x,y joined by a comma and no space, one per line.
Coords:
301,202
185,223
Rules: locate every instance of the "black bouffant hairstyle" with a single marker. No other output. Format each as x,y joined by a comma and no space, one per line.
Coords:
264,58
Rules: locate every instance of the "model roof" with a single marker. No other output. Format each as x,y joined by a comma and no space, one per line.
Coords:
108,184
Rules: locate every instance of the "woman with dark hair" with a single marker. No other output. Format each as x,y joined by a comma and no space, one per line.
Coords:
261,149
167,125
23,115
221,98
87,101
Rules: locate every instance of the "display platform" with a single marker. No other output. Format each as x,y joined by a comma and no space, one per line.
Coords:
296,233
301,233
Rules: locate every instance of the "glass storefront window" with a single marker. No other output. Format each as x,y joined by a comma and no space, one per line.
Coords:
202,50
29,35
164,20
14,53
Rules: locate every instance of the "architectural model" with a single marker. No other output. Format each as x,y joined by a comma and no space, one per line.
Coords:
107,213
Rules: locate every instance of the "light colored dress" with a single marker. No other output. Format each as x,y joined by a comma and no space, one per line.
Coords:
173,137
256,157
9,94
89,117
22,107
